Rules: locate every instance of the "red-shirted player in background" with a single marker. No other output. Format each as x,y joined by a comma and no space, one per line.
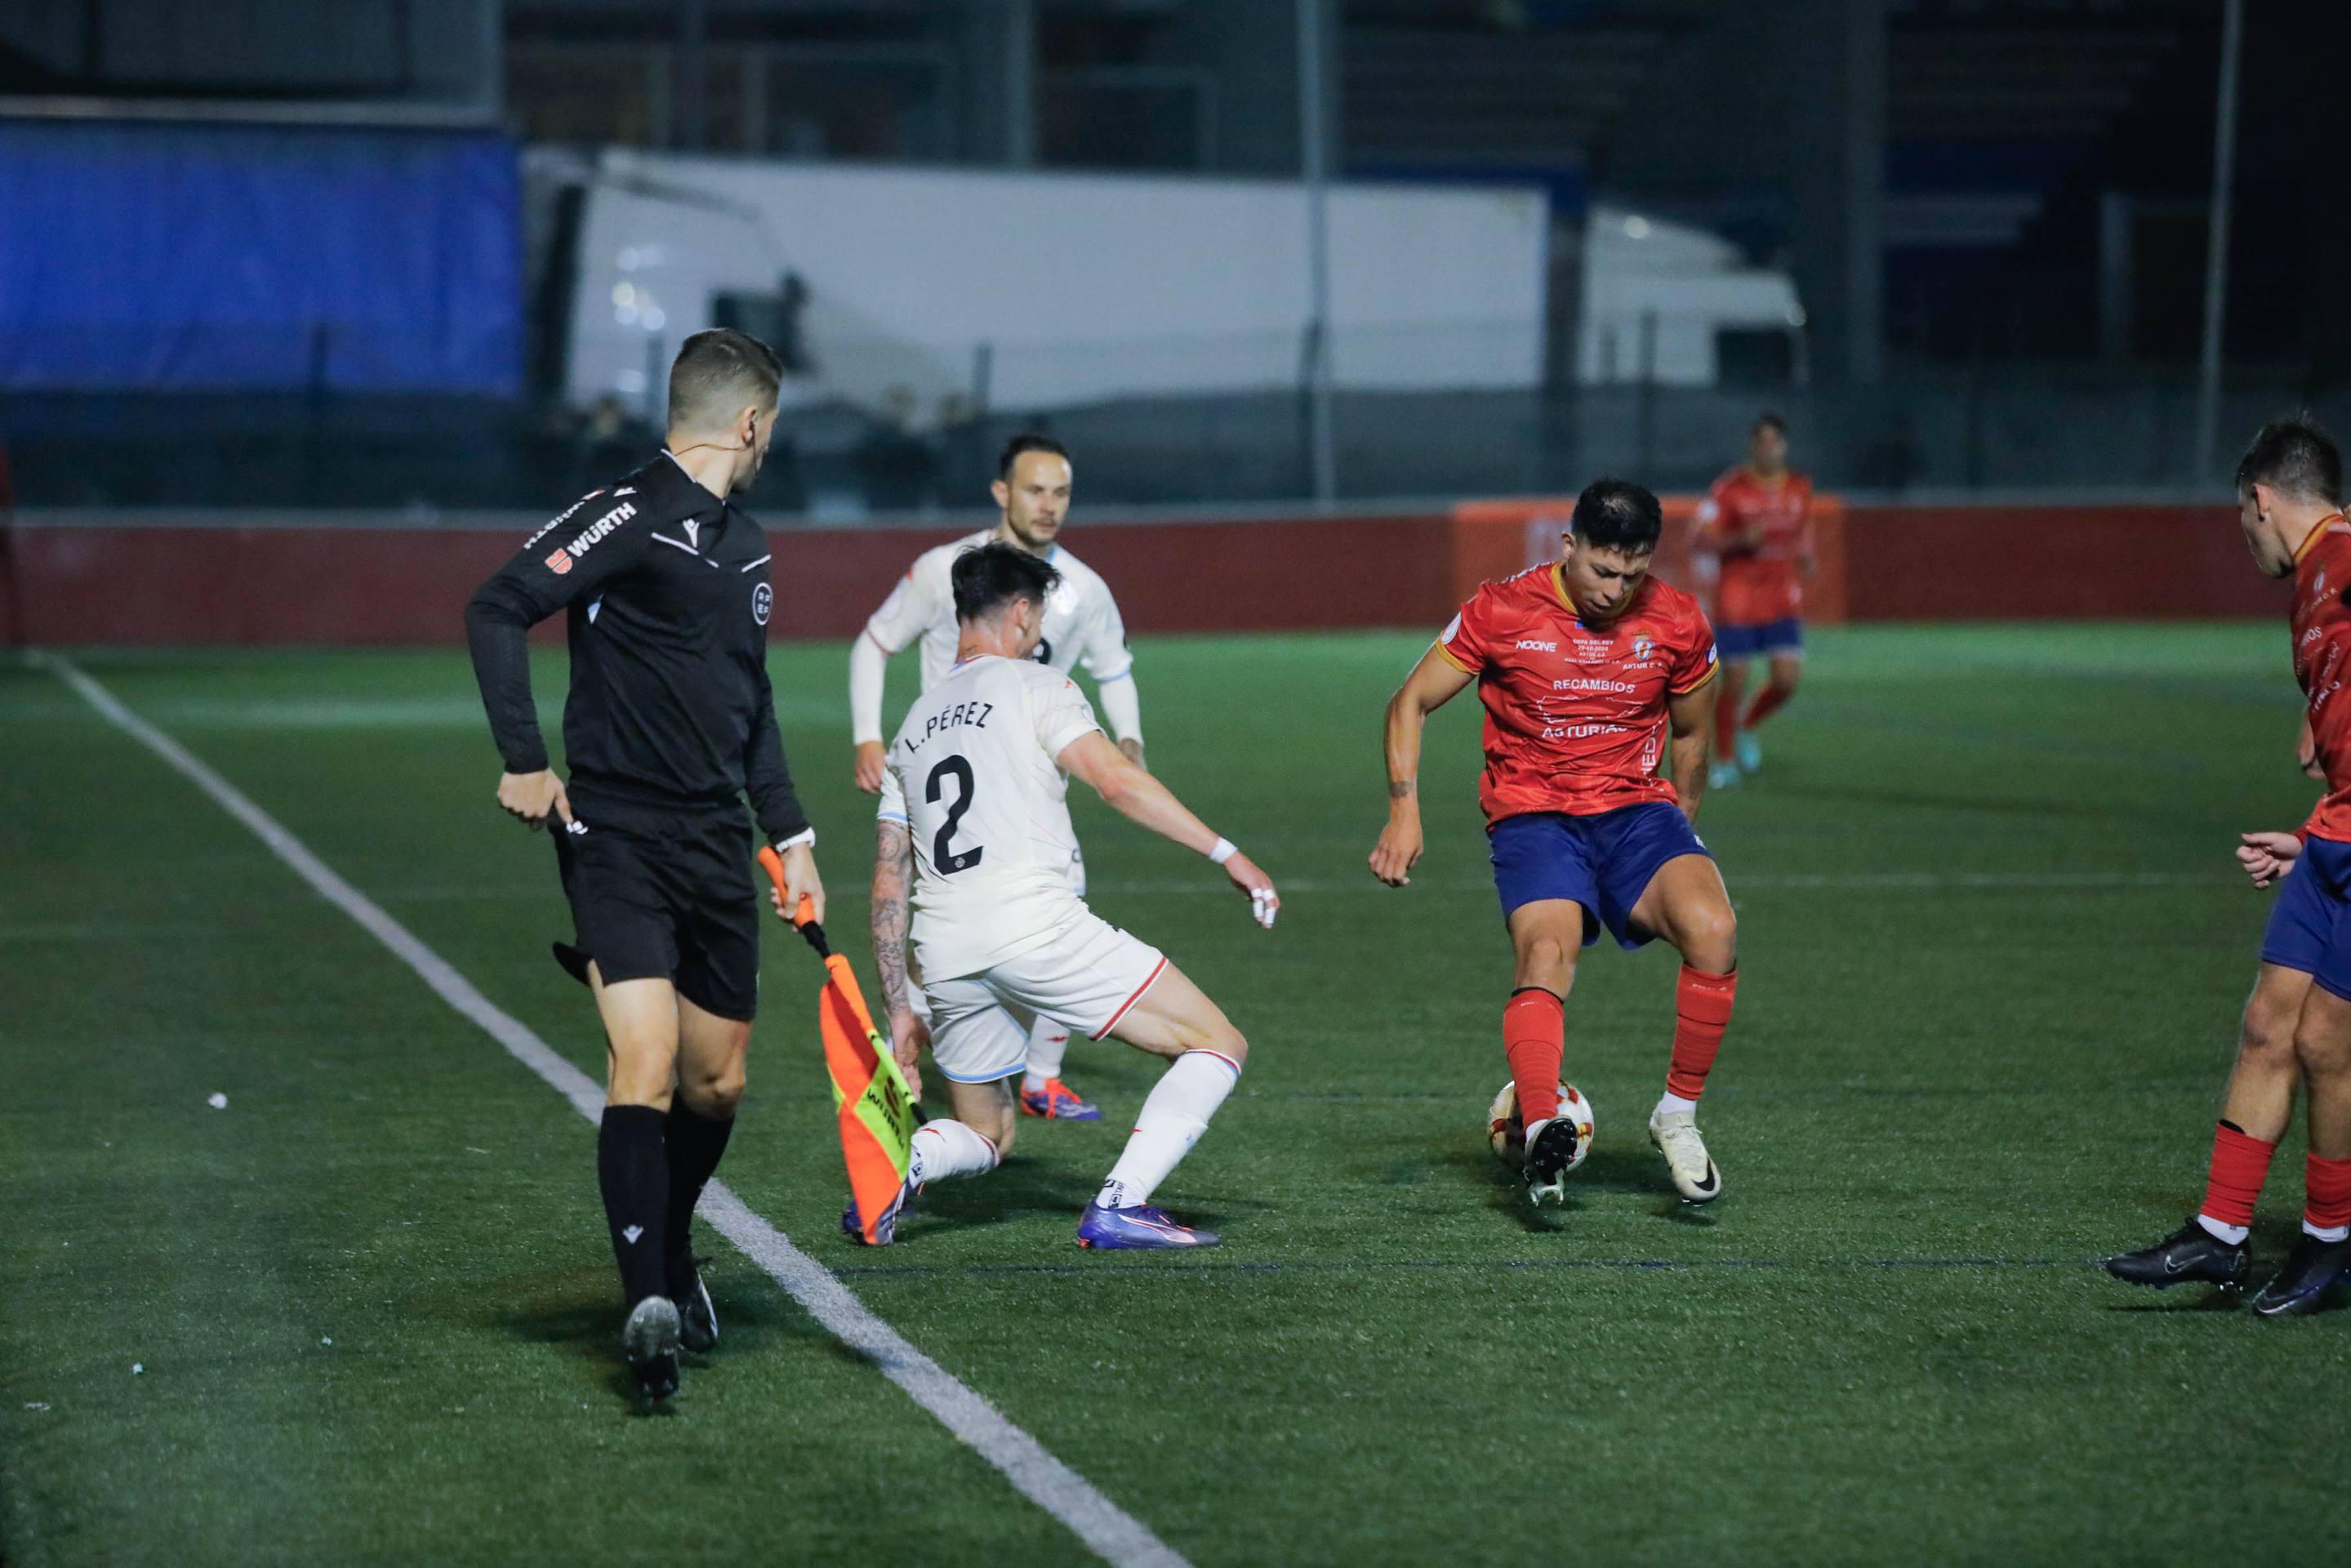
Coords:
1757,523
1580,666
2297,1028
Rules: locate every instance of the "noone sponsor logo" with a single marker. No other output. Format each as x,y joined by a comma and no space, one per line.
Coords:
1529,645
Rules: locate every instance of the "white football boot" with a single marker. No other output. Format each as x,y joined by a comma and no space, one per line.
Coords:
1676,1138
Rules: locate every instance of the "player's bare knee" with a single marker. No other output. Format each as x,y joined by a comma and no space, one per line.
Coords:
638,1090
1710,940
991,1110
2265,1035
641,1076
2322,1053
1228,1042
1546,961
716,1094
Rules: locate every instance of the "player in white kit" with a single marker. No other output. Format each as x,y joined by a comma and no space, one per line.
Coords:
1082,625
975,844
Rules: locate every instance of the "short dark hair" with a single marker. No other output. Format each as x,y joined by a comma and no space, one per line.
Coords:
1770,416
994,575
2294,455
1616,514
1031,442
717,373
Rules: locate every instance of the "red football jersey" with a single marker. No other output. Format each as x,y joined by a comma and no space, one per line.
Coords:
2322,663
1575,715
1762,532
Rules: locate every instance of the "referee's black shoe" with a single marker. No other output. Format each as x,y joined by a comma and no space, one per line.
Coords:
2189,1255
2310,1271
650,1341
697,1319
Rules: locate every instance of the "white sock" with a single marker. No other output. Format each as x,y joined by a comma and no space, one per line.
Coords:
944,1150
2326,1232
1047,1043
2234,1235
1673,1105
1174,1117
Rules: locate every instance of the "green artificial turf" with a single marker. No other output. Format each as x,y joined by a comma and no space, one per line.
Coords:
1992,949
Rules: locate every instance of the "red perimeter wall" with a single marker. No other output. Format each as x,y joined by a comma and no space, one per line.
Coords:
362,585
2104,562
1885,562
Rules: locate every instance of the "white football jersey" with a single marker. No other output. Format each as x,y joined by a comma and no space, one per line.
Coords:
1081,620
972,775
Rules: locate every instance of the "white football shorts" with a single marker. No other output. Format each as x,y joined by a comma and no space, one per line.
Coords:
1085,979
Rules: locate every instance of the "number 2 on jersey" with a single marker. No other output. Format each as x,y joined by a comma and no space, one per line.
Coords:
944,860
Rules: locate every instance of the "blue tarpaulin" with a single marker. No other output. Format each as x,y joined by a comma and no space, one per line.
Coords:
166,257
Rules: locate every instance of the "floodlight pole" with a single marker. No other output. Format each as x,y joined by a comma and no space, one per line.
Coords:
1313,158
2216,241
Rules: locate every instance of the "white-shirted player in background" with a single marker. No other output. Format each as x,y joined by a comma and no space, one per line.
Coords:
975,844
1082,625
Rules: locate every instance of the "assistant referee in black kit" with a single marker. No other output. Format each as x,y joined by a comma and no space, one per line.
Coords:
670,721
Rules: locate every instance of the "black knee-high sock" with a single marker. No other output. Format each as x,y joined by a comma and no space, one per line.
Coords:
695,1143
634,1175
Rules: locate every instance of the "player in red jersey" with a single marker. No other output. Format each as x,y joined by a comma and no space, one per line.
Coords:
2297,1028
1583,667
1757,523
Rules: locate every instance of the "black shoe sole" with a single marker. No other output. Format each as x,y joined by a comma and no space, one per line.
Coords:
1553,1151
651,1347
2235,1281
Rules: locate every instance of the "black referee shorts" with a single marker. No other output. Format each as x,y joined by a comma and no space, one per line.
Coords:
662,894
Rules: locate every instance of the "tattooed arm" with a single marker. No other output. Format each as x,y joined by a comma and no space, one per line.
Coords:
893,869
1434,682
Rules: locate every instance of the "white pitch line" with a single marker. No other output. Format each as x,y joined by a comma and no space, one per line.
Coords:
1113,1534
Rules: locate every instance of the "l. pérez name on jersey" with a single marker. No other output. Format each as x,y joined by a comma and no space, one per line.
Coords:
561,561
974,713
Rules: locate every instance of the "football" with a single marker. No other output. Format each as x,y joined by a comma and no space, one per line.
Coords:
1506,1134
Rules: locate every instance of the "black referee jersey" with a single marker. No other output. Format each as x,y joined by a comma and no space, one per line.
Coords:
668,591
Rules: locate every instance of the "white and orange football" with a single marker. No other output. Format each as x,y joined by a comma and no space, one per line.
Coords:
1506,1135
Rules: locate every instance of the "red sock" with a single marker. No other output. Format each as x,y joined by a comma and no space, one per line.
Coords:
1726,721
1534,1037
2326,1193
2241,1163
1767,702
1701,1012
